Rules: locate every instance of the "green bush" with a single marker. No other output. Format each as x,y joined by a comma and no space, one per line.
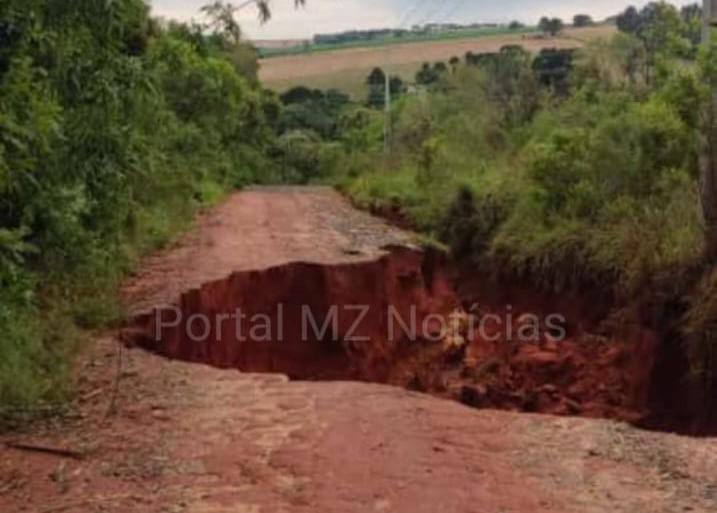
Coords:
113,131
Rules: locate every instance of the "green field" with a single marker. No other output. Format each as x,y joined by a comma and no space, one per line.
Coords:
449,35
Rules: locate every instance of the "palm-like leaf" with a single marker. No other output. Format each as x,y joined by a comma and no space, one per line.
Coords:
265,9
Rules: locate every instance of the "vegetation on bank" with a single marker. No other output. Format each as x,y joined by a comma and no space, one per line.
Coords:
567,175
113,130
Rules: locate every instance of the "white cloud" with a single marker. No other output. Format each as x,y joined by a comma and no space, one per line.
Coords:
321,16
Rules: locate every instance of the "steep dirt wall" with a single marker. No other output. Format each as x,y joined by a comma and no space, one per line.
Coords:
597,369
293,302
628,363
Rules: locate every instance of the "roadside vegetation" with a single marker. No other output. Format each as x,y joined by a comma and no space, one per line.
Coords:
114,129
566,170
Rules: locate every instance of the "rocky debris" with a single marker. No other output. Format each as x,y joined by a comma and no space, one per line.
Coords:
583,375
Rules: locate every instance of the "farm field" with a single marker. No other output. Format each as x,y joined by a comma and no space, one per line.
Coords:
346,69
296,48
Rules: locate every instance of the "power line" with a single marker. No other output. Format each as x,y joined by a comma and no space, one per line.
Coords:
433,13
412,12
455,10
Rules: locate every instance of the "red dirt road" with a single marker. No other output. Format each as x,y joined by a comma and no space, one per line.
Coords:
190,438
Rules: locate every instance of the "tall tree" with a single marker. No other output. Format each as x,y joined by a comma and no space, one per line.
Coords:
223,15
551,26
582,20
629,21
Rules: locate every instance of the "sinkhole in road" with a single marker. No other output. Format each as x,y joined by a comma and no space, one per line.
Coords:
410,319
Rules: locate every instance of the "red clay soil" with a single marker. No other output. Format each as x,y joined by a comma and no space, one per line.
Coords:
323,253
287,297
303,254
160,435
190,438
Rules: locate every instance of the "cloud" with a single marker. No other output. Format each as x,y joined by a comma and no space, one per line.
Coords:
321,16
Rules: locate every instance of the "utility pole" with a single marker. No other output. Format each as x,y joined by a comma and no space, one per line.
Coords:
387,114
708,153
707,10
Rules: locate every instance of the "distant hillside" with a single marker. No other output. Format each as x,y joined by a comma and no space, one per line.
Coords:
346,69
279,44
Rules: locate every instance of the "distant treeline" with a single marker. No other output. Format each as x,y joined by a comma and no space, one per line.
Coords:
351,36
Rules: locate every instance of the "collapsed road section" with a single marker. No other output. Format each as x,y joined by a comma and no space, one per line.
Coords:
296,281
306,320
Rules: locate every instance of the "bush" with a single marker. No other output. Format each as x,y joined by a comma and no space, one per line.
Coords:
112,132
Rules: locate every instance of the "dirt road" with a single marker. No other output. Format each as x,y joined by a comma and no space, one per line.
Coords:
190,438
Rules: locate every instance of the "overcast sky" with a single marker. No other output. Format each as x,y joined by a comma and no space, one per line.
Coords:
322,16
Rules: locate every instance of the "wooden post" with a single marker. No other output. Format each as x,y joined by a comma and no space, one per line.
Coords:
708,153
387,108
708,8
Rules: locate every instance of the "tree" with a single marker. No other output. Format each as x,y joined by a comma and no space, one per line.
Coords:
509,83
430,75
113,128
662,31
223,22
551,26
661,27
708,152
223,15
376,78
376,82
692,17
544,24
300,94
426,75
629,21
454,62
553,67
516,25
556,26
396,86
582,20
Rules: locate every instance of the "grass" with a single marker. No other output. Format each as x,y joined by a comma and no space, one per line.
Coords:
43,335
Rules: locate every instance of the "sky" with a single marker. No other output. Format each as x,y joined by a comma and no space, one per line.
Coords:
326,16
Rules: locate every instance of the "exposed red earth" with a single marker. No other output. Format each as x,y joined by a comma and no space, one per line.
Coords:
189,437
307,250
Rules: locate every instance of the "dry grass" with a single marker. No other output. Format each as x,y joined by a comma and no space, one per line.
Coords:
346,69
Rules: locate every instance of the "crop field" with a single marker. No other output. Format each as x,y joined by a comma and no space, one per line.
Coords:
466,33
346,69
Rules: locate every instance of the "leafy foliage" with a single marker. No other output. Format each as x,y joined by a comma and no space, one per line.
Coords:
112,130
571,171
582,20
551,26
